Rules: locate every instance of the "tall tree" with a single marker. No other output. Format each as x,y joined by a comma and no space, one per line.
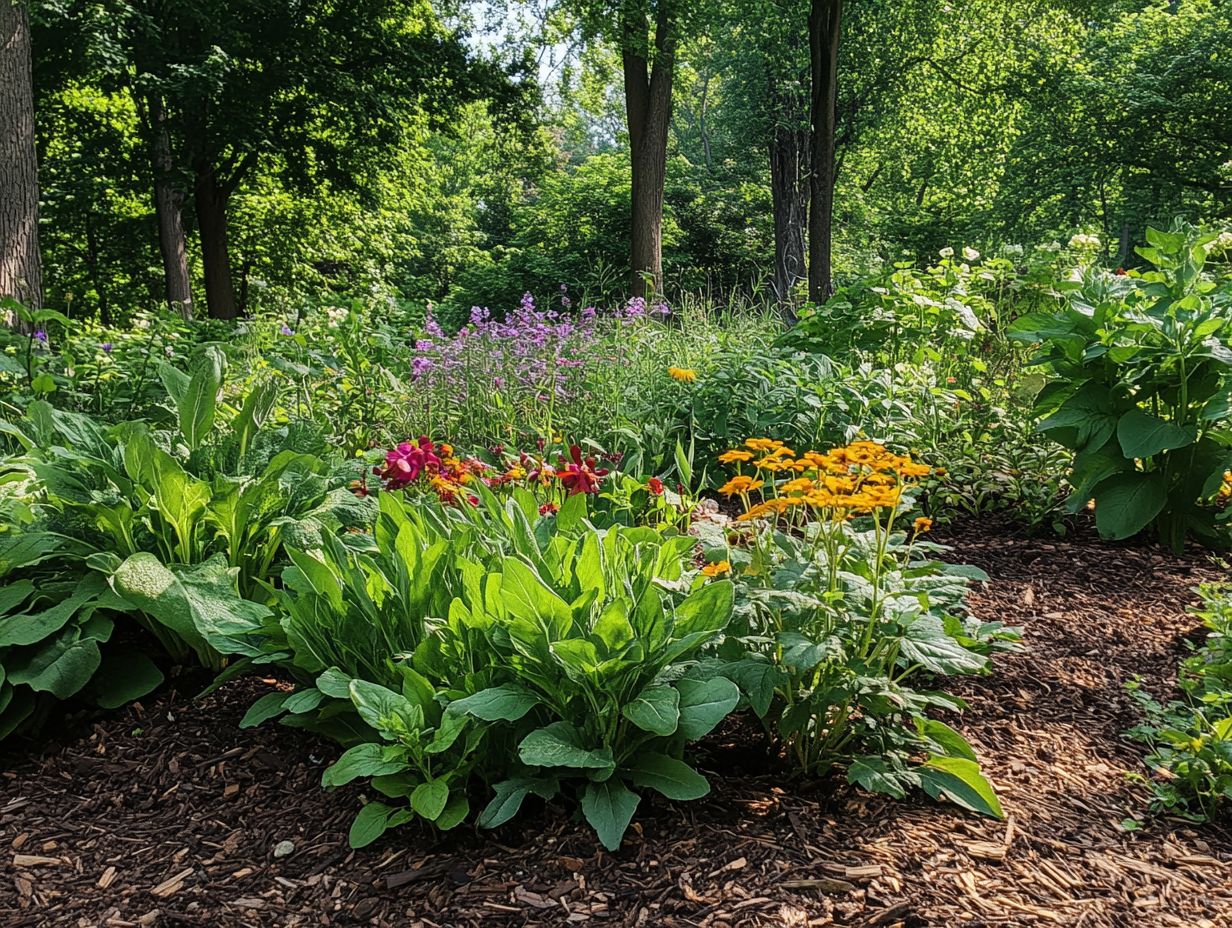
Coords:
648,39
21,275
168,207
824,29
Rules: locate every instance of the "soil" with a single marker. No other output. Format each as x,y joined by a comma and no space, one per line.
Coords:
167,814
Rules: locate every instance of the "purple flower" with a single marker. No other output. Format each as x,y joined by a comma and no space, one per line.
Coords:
286,329
107,346
40,335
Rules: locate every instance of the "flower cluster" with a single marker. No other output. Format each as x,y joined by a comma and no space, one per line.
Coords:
435,464
860,478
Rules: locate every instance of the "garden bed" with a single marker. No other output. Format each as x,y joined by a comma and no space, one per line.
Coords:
166,813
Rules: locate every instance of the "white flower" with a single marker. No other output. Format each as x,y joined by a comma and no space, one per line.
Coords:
947,252
970,254
337,315
1012,251
1224,242
1053,246
1084,241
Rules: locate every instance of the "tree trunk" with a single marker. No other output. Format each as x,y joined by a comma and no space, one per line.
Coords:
648,106
169,213
789,196
211,199
825,19
21,276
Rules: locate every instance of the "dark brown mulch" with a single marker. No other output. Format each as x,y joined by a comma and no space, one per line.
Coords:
167,814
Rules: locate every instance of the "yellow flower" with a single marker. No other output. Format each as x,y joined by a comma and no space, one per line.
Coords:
799,485
762,444
740,484
922,524
683,374
717,570
735,457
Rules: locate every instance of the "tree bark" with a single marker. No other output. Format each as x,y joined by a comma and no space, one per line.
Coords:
649,65
789,198
21,276
169,212
825,20
211,198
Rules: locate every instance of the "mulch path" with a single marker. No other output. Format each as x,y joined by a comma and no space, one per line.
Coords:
167,814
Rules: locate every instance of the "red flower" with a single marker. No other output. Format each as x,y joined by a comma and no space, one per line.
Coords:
655,486
1121,272
406,462
548,509
581,474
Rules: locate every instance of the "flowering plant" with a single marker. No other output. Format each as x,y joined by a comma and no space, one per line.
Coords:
842,608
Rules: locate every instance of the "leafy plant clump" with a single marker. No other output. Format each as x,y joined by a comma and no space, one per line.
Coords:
1140,388
1190,739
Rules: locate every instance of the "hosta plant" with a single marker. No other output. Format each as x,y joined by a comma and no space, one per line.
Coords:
845,620
1140,388
494,644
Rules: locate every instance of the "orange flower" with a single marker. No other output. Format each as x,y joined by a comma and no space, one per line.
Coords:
717,570
922,524
740,484
735,457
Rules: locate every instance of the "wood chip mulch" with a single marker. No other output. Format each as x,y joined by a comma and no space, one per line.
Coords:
166,814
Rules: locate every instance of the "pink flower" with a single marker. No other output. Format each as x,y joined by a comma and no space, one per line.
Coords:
406,462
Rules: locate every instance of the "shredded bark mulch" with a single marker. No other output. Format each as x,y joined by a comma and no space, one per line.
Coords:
166,814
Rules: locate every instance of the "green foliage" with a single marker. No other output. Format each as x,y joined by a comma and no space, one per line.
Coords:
538,654
1190,741
1139,374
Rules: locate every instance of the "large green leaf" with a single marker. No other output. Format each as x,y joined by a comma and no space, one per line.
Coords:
61,668
1127,503
506,703
705,610
1142,435
673,778
960,780
199,402
609,807
125,674
560,745
430,798
703,704
656,709
199,604
926,642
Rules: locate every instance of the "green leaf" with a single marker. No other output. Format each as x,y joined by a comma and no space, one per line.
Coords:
506,703
560,745
874,774
383,709
429,799
363,760
656,710
703,704
926,642
124,675
673,778
707,609
1125,504
61,668
959,779
197,406
508,798
951,742
371,822
1142,435
264,709
455,812
609,807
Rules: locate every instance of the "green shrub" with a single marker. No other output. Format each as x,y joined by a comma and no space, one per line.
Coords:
1140,389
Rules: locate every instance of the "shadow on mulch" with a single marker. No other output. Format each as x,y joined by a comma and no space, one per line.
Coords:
167,814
